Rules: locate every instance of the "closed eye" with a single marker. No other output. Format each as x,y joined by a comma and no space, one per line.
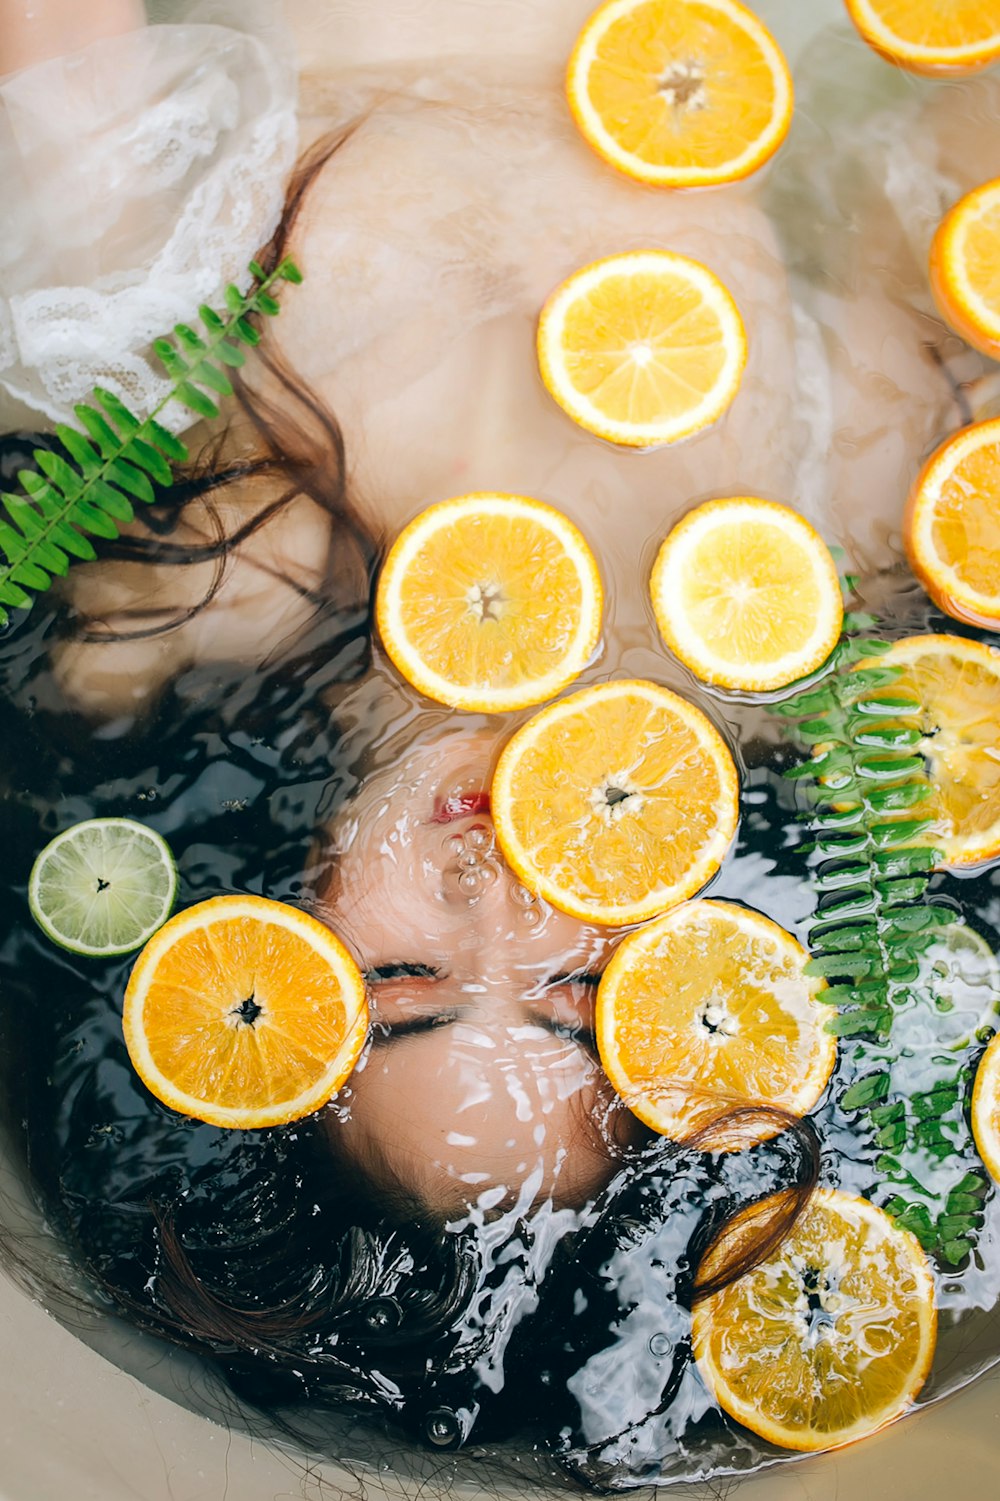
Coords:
383,972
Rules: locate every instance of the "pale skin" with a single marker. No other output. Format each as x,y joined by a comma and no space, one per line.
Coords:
481,1087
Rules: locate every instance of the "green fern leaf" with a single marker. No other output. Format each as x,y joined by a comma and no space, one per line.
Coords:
87,488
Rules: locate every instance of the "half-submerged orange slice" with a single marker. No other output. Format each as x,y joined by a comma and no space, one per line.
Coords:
952,526
244,1012
930,36
708,1010
643,348
965,268
616,803
680,93
827,1340
490,602
747,595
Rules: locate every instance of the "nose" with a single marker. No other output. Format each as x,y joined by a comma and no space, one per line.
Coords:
478,878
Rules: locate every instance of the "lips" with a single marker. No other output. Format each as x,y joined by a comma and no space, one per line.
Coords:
461,805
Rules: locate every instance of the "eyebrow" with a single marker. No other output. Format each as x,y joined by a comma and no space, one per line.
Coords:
379,973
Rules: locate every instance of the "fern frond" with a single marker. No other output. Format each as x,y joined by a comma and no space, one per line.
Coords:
864,784
88,487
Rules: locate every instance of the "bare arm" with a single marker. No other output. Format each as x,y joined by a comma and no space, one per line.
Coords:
32,31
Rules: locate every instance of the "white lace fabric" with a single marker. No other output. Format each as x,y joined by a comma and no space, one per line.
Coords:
139,177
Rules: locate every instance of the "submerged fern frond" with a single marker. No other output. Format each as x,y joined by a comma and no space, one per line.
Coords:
875,925
87,488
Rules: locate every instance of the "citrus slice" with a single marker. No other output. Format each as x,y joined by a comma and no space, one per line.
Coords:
955,687
616,803
965,268
986,1109
103,887
927,36
244,1012
680,93
747,595
643,348
490,602
707,1010
952,526
828,1339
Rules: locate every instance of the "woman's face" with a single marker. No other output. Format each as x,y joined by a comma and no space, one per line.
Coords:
482,1084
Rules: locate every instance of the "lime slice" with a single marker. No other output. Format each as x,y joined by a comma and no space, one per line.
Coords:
103,887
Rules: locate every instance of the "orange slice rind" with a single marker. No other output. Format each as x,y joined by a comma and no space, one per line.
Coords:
926,36
965,268
986,1109
244,1013
831,1337
952,526
642,349
680,93
746,594
616,803
490,602
708,1010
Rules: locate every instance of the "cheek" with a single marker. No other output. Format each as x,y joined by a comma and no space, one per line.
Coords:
453,1117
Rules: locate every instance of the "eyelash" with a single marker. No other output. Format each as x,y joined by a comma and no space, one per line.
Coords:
402,972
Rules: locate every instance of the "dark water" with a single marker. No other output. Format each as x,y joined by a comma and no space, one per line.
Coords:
236,772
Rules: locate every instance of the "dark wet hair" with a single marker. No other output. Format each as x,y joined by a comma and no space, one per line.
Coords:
257,1250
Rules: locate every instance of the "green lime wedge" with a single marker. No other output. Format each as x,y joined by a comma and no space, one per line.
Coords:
103,887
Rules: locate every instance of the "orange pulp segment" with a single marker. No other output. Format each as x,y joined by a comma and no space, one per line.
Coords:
828,1339
952,525
680,93
616,803
965,268
490,602
643,348
746,594
245,1013
708,1010
928,36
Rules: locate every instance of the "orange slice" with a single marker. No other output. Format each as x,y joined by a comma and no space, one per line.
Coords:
952,525
827,1340
955,687
986,1108
747,595
707,1010
680,93
245,1013
928,36
490,602
616,803
965,268
642,349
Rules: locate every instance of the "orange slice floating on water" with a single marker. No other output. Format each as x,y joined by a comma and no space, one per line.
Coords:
642,349
831,1337
965,268
707,1010
680,93
747,595
986,1108
954,685
952,525
244,1012
490,602
616,803
928,36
